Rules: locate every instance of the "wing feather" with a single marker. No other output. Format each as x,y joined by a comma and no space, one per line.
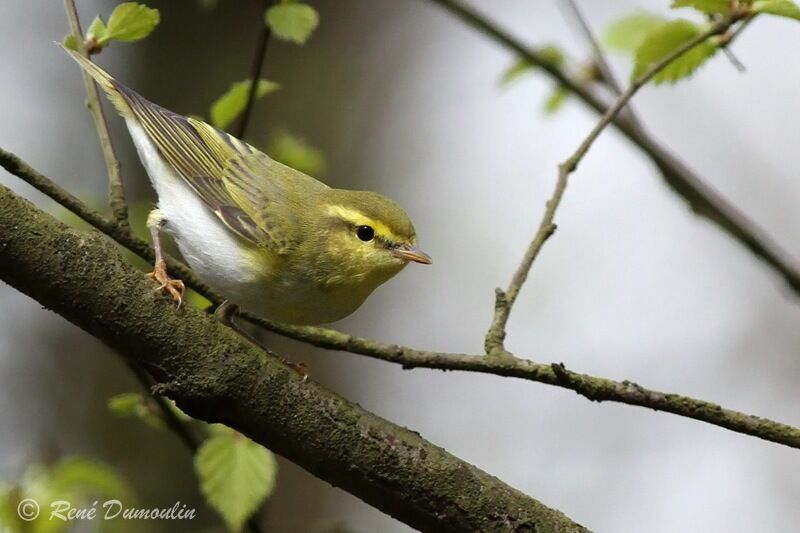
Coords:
229,175
249,192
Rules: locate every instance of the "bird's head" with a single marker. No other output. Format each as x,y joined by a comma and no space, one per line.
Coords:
367,238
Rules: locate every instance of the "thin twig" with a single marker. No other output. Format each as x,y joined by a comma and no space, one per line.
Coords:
607,73
119,234
505,299
116,191
596,388
726,44
255,72
701,198
591,387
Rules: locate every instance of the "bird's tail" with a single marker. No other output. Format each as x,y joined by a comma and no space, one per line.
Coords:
106,82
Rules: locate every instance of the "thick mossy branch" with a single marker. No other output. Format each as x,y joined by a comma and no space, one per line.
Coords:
216,376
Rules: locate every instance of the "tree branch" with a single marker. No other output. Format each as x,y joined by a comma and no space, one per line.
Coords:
116,190
607,73
216,376
255,72
592,387
700,197
121,235
505,299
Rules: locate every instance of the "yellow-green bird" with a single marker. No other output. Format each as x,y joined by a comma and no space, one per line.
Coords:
267,237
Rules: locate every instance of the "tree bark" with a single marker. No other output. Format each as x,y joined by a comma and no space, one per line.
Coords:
217,376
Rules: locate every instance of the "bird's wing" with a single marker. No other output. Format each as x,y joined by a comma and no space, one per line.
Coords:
232,178
246,189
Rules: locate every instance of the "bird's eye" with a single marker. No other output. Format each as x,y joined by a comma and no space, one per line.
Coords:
365,233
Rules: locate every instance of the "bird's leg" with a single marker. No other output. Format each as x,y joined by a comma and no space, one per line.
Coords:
175,287
225,313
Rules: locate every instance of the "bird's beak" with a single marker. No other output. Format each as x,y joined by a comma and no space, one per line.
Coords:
407,252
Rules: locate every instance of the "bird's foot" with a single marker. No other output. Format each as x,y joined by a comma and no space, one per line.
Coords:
174,287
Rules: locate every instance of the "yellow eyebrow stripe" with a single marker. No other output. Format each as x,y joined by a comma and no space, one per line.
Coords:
358,218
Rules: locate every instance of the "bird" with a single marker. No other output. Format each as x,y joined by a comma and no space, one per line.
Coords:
270,239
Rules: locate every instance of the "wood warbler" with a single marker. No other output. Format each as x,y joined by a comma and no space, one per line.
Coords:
267,237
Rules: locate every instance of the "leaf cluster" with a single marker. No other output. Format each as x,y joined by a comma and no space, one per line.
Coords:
129,22
651,38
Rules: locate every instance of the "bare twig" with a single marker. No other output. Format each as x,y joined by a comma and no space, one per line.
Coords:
591,387
728,39
607,73
255,72
700,197
596,388
115,189
505,299
117,232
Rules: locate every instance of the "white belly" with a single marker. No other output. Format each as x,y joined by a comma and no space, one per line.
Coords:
211,249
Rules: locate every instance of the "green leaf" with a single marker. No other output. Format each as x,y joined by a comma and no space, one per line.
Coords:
780,8
231,104
292,21
556,100
297,153
628,33
70,42
236,475
662,42
705,6
130,21
97,30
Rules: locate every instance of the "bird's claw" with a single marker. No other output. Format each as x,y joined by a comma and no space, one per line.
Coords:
174,287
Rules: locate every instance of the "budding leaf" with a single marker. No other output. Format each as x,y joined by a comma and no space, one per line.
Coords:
97,30
665,40
780,8
231,104
70,42
705,6
130,21
628,33
292,21
236,475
